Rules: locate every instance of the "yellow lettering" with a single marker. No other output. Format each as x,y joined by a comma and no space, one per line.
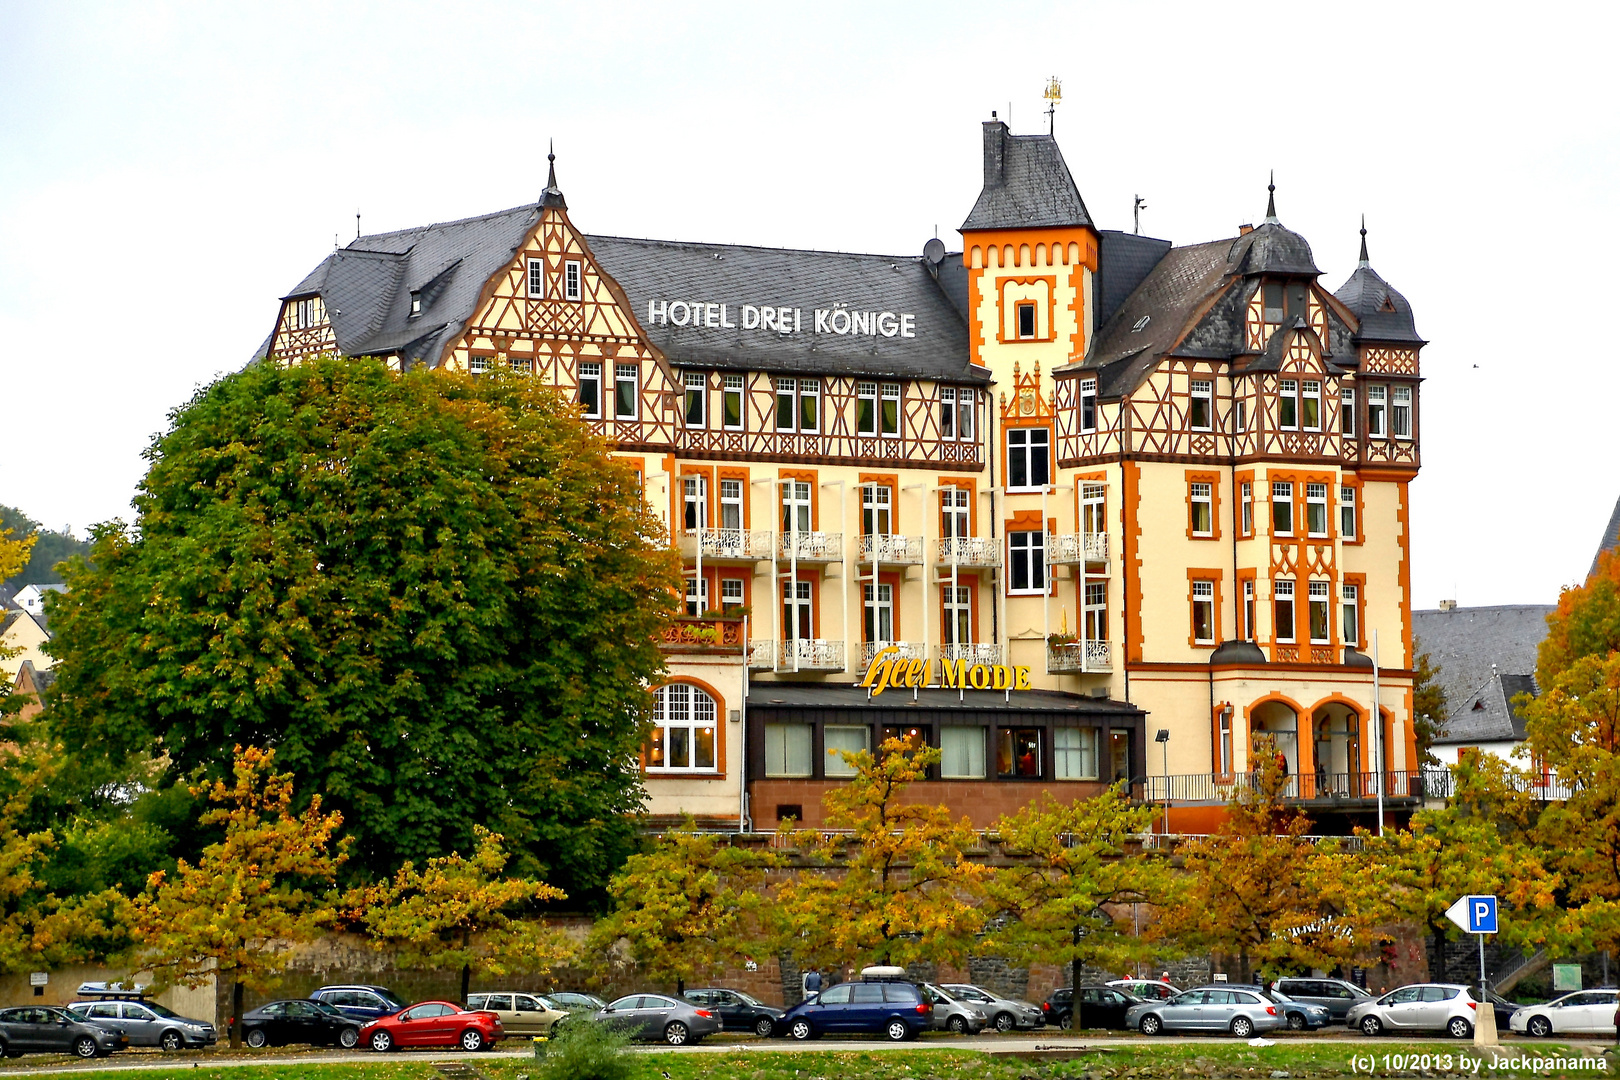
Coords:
955,674
1002,677
1021,682
917,673
878,675
979,676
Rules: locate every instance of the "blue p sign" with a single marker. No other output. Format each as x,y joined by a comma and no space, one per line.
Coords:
1482,914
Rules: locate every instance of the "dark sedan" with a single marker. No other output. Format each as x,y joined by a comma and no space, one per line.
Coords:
738,1011
299,1021
1100,1007
40,1029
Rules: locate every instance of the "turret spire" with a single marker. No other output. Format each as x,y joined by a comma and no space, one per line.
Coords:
1364,259
1271,200
553,195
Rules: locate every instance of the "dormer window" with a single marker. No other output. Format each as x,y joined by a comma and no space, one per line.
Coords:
1273,302
1026,321
416,302
1140,324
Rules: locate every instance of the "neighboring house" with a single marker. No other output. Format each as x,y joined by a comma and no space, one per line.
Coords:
21,638
1471,644
31,598
1487,720
33,681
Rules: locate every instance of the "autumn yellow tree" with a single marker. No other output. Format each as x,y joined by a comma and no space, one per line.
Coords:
1071,862
891,881
14,553
260,889
460,912
1258,890
688,908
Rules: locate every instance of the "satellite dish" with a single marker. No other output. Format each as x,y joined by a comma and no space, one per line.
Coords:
934,251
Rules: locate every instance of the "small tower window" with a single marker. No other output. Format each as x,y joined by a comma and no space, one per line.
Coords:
416,303
1026,320
1273,302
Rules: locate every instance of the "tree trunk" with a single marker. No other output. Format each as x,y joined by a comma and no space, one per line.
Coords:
1243,965
466,978
236,1015
680,986
1075,967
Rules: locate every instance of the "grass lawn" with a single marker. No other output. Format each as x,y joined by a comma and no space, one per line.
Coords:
1158,1060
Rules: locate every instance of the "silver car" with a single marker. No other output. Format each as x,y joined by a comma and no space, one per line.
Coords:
1444,1007
1005,1014
659,1018
950,1014
149,1024
1239,1010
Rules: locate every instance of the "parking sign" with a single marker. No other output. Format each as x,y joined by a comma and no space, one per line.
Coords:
1475,914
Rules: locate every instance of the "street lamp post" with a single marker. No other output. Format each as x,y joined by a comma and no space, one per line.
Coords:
1163,739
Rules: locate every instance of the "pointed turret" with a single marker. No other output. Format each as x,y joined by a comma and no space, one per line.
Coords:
1271,200
553,195
1364,260
1384,314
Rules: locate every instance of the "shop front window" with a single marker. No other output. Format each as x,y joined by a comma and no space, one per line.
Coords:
1018,752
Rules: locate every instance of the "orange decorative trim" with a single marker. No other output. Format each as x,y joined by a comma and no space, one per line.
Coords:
811,477
1403,537
1050,281
747,502
1213,479
968,484
721,719
888,480
1216,576
1131,562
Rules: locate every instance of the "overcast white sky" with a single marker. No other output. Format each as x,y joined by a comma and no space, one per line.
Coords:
167,170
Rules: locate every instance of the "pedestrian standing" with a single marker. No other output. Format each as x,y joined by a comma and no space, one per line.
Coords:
812,981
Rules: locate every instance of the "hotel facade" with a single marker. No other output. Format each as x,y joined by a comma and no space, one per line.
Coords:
1073,505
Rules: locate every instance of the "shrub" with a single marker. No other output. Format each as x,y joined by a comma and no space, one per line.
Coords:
581,1050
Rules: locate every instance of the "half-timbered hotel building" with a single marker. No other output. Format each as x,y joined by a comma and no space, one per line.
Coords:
1168,482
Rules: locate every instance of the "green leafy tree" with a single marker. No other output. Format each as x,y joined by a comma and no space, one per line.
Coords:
259,890
14,550
1429,708
437,596
49,548
458,913
1074,861
1573,734
687,909
898,886
1258,890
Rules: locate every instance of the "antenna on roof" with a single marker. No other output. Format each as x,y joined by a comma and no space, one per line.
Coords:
1054,94
357,223
1136,212
1364,260
1271,200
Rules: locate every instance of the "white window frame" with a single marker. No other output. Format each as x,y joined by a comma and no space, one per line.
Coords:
733,389
694,502
732,513
866,409
1347,412
1400,412
965,400
682,706
1282,490
1282,592
798,598
877,510
1094,612
1248,610
1246,502
955,515
1350,614
779,754
1288,394
798,506
1319,597
479,365
573,280
1347,513
877,621
1203,597
1031,544
1070,751
1310,393
695,383
1201,493
627,374
1223,737
1316,504
1240,416
890,392
957,627
732,593
1022,443
697,596
1377,415
536,279
1201,391
1019,307
590,372
1088,406
947,413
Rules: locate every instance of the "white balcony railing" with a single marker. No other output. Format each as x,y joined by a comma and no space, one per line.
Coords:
973,551
740,544
1079,656
809,654
907,650
1064,549
1099,656
891,548
810,546
973,652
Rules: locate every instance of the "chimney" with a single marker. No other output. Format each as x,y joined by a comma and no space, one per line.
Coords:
1245,230
995,152
1448,605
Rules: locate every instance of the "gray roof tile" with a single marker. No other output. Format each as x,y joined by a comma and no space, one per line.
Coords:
1466,642
1488,714
1027,184
1611,537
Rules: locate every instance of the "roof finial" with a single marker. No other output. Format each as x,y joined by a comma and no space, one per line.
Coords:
1364,260
553,195
1271,200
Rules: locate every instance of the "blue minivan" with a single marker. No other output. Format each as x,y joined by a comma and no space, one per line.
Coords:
884,1002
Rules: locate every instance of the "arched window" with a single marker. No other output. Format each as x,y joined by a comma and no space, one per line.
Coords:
684,733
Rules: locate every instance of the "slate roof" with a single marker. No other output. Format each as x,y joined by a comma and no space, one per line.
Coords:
1384,314
735,275
1488,714
1611,537
1123,260
786,695
1027,184
1465,642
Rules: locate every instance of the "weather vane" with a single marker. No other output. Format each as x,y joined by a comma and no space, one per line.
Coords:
1054,94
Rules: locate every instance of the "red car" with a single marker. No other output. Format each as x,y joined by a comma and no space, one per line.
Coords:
433,1023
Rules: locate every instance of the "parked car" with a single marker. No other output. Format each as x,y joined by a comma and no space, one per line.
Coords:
953,1015
1338,996
1100,1007
1006,1014
1058,1006
884,1002
520,1014
659,1018
576,1003
146,1023
1146,989
738,1011
1299,1015
278,1023
1240,1010
1421,1007
41,1029
360,1000
1588,1012
433,1023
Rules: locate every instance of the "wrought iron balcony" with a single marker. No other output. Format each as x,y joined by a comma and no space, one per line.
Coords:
727,545
703,635
1304,787
973,652
891,548
1079,656
801,654
970,551
1075,549
1441,784
810,547
907,650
